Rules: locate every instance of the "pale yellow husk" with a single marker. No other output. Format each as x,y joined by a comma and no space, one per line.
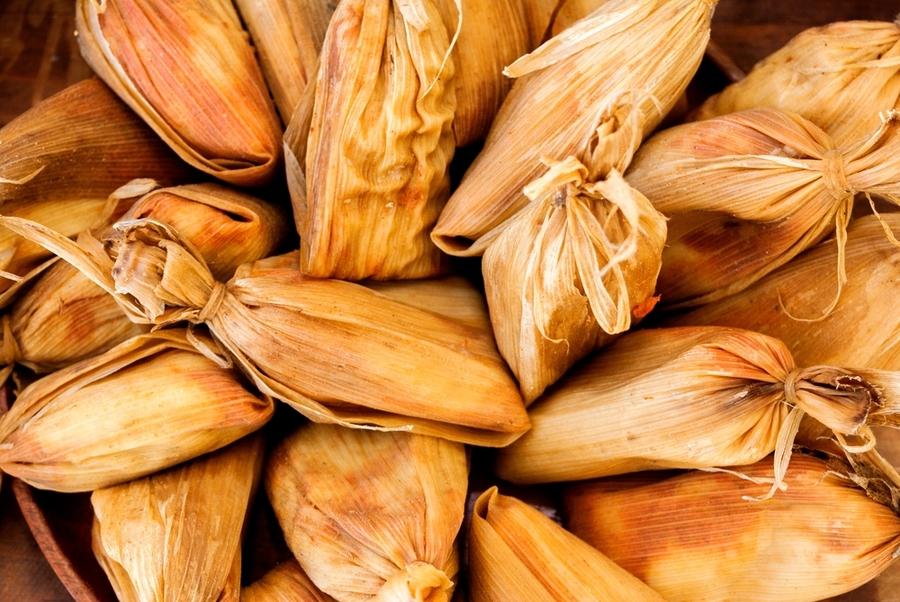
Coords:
336,351
546,18
517,553
839,76
145,405
188,70
176,535
695,536
371,515
772,168
285,583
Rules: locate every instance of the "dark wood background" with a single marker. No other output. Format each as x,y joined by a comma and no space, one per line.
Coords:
39,57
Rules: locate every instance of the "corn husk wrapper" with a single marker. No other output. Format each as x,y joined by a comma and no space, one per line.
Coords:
769,167
451,296
336,351
287,35
60,161
188,70
147,404
692,397
371,515
374,177
546,18
584,83
517,553
570,271
176,534
285,583
696,536
839,76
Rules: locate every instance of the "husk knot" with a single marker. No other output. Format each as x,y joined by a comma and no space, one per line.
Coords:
418,581
834,175
216,295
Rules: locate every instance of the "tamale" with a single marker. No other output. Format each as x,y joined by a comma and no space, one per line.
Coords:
146,404
517,553
285,583
371,515
771,168
696,536
691,397
188,70
60,161
575,85
374,174
546,18
336,351
176,534
839,76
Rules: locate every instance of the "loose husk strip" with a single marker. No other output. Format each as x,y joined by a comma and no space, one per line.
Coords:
335,351
517,553
371,515
695,536
285,583
176,534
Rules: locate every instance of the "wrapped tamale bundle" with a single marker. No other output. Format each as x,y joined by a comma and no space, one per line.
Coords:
839,76
64,317
188,70
696,536
146,404
546,18
288,35
691,397
285,583
176,534
375,174
622,67
60,161
451,296
518,553
371,515
336,351
773,169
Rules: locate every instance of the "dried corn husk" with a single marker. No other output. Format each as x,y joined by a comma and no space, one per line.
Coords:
691,397
772,168
839,76
517,553
371,515
696,536
176,535
546,18
147,404
451,296
575,268
583,83
60,161
188,70
380,139
285,583
336,351
288,35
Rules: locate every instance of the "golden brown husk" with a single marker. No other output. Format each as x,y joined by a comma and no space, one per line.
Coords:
285,583
839,76
375,176
176,535
371,515
145,405
336,351
571,86
693,537
188,70
60,161
287,35
517,553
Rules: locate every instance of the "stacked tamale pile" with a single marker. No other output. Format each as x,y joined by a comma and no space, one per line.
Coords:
228,274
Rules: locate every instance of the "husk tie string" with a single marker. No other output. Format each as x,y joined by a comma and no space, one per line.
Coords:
216,295
834,176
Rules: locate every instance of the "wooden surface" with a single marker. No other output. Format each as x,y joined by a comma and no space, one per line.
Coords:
38,57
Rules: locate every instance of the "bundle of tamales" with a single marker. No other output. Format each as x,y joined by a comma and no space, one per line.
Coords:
748,191
188,70
336,351
177,534
718,397
371,515
64,317
696,537
144,405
